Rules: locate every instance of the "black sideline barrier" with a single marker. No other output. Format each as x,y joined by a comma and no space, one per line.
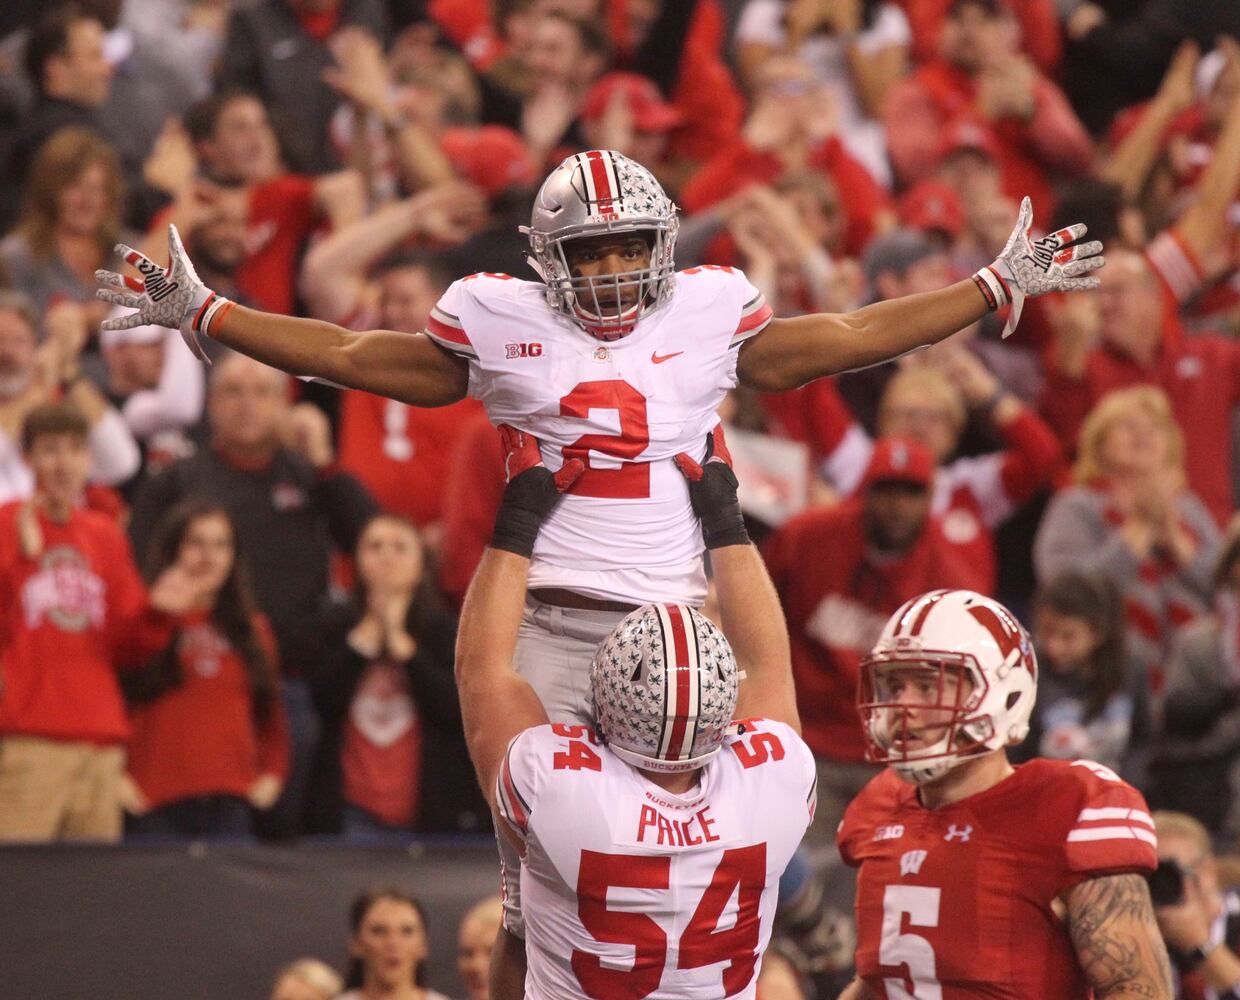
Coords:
199,923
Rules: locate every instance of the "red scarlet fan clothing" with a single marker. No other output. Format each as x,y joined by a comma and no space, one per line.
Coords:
837,595
402,453
202,737
69,617
381,753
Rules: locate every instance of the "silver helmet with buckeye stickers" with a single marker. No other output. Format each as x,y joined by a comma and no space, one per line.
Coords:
664,687
595,193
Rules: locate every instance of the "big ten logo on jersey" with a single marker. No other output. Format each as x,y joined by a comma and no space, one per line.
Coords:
893,831
531,350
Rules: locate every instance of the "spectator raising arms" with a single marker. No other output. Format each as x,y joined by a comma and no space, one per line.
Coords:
209,733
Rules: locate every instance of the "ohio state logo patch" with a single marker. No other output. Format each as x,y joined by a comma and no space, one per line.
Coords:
64,592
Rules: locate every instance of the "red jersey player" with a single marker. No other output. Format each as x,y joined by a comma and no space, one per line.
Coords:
977,878
652,845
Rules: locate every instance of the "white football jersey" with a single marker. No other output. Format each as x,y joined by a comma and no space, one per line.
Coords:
630,891
625,531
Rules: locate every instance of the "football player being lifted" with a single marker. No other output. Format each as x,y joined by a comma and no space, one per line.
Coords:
977,878
611,358
637,833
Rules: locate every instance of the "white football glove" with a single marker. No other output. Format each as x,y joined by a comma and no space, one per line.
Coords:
1034,267
174,297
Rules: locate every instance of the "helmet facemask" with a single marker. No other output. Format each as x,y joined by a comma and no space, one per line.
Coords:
921,714
569,207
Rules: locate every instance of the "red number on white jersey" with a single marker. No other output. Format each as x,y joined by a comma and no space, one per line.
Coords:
741,871
631,480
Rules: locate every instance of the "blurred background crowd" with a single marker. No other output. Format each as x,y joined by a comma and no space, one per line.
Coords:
241,621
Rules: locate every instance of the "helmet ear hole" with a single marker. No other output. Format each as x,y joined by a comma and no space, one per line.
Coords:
1012,699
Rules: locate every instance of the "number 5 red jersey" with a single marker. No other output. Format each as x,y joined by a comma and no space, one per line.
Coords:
630,891
625,407
959,902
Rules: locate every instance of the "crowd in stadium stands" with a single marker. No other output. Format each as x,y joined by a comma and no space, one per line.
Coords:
227,598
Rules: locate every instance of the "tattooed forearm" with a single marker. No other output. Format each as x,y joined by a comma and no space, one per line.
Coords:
1116,938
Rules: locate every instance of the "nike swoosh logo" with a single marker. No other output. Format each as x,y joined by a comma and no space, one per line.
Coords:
658,358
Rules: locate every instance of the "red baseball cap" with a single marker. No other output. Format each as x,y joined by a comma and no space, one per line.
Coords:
932,206
491,156
969,135
651,113
900,460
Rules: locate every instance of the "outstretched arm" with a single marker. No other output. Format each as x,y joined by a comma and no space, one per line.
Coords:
1116,938
496,703
749,608
408,367
791,352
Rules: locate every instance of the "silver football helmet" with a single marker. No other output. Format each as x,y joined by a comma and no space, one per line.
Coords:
664,687
593,193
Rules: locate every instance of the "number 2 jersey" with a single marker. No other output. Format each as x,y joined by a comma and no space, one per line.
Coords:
624,407
958,902
629,891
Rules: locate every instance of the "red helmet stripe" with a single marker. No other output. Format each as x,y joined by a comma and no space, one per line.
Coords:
1006,635
681,683
930,600
599,178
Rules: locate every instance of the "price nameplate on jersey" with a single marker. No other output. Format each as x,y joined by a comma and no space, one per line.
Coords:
656,822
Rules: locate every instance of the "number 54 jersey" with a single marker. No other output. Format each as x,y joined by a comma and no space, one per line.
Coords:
629,891
625,408
960,902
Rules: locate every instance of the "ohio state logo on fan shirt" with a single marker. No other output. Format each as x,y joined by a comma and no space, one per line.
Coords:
64,592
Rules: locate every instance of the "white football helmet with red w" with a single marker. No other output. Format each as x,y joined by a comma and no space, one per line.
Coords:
974,667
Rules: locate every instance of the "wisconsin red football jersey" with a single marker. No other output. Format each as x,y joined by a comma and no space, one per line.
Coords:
956,902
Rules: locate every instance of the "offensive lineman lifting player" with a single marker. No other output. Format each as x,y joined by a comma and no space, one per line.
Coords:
613,359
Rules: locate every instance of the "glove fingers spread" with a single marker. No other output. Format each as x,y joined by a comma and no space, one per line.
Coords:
1069,234
122,322
125,299
1078,251
136,259
1081,284
1078,267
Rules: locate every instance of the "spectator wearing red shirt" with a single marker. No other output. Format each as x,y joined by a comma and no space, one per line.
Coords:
472,492
393,758
401,453
1040,34
980,75
210,738
236,144
72,611
884,548
792,128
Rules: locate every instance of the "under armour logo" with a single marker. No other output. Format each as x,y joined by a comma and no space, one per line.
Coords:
911,862
954,832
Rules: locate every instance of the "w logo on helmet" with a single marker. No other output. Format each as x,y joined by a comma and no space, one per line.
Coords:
1008,635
